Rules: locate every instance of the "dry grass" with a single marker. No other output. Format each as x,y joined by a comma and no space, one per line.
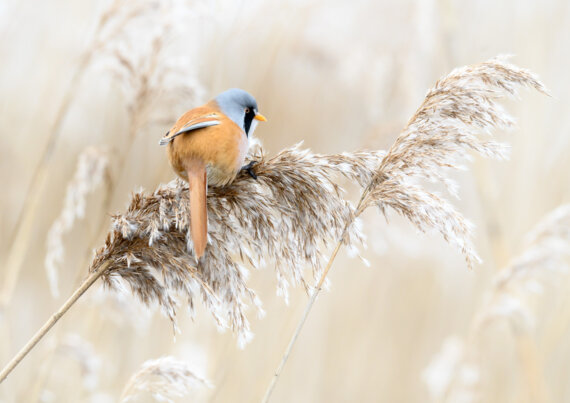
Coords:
374,334
109,26
529,297
90,174
286,218
289,217
165,378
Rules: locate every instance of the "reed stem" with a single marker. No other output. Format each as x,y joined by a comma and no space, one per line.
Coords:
88,282
313,298
27,216
301,323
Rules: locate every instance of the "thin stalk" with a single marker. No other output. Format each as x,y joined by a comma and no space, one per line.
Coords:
127,389
27,216
300,325
137,118
88,282
311,302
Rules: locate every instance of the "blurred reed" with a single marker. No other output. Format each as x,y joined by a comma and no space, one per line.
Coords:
446,126
91,172
110,26
529,296
295,209
154,83
164,378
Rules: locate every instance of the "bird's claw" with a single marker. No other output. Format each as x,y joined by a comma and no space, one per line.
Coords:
249,169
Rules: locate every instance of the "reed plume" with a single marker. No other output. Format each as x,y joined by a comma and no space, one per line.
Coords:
439,136
296,211
83,352
90,173
165,378
544,264
441,132
449,369
153,81
287,217
111,27
522,296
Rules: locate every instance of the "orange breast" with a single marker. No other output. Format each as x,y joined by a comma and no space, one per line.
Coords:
222,148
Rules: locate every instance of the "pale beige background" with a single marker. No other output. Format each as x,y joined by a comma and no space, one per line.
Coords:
339,76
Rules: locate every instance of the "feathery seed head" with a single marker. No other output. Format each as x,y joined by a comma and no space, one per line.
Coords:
295,211
165,378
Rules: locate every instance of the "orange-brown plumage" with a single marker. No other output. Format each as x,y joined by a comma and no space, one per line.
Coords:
208,147
222,147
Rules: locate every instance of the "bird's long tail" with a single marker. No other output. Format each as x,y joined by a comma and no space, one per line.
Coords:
198,213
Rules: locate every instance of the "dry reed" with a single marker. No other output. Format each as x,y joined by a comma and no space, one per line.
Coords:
153,80
294,198
295,207
152,84
90,173
445,127
68,347
110,26
523,296
295,211
545,263
85,355
165,378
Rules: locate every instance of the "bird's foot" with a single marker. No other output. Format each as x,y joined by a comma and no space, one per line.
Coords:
249,169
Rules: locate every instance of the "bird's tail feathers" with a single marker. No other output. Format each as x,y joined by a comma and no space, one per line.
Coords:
196,170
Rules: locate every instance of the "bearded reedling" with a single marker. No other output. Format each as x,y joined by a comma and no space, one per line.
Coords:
207,146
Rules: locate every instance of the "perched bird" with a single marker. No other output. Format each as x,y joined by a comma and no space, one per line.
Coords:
207,146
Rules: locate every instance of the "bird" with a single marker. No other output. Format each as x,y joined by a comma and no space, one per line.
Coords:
207,146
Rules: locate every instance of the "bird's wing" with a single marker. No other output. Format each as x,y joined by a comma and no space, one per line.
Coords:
184,125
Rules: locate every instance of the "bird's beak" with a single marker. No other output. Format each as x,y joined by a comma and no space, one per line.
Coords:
259,116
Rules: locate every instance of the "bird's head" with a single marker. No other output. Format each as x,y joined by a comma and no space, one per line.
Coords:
241,107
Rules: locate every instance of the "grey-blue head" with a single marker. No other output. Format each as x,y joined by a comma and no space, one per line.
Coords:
241,107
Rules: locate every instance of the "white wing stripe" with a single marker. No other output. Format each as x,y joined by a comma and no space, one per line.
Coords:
166,140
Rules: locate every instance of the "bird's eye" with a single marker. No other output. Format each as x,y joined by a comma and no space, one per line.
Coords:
247,110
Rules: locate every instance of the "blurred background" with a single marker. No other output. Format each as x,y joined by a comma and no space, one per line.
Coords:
102,81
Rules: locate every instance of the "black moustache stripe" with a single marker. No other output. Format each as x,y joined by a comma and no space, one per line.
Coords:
247,119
